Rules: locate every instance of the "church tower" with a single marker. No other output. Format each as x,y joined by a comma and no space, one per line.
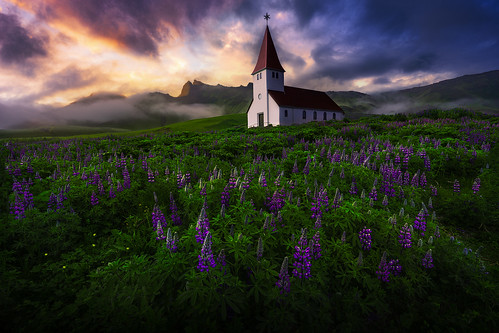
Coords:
267,75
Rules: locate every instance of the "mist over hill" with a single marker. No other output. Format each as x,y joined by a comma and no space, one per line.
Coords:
479,92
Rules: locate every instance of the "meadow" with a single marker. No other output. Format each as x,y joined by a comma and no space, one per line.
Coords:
386,223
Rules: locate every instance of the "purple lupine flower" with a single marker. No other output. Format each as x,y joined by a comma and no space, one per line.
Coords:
437,232
476,186
316,249
119,187
422,180
112,194
306,168
276,201
373,194
202,226
457,187
203,191
171,241
295,167
158,227
405,237
383,271
385,201
365,239
353,187
150,176
52,204
206,259
158,220
283,281
415,180
174,211
93,199
17,209
427,261
395,267
420,222
221,260
262,181
318,223
302,256
434,190
259,249
344,237
126,178
225,196
337,199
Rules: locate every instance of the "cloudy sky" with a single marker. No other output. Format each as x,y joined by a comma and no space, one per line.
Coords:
55,51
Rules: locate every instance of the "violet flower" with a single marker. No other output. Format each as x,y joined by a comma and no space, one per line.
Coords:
206,259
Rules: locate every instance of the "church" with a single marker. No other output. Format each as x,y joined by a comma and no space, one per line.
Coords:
276,104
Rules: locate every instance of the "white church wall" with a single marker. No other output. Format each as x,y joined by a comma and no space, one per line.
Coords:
274,113
295,116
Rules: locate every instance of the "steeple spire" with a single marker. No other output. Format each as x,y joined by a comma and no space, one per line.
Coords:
268,55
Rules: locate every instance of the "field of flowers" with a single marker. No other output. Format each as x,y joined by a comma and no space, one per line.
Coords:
384,224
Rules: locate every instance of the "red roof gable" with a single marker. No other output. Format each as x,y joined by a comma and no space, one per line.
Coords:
304,98
268,55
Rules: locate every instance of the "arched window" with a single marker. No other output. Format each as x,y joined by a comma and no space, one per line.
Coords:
334,115
285,113
304,114
315,115
325,116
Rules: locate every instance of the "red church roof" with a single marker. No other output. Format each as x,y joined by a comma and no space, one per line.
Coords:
268,55
304,98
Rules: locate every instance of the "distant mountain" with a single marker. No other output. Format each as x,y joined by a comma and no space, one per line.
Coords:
97,97
483,86
479,92
199,100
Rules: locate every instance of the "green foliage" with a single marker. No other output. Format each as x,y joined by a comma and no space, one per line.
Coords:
99,267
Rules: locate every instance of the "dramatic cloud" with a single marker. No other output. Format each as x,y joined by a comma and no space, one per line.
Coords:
56,51
17,44
139,25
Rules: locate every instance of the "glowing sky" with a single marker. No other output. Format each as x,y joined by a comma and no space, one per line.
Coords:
55,51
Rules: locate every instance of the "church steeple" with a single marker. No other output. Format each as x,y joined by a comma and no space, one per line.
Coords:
268,59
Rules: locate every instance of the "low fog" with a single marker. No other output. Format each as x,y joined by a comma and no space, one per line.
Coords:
109,110
411,106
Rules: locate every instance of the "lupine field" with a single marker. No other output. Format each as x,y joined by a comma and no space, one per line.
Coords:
380,224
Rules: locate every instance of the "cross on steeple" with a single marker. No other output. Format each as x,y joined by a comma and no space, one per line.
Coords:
266,17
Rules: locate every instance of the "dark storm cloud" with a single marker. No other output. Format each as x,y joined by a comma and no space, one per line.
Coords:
138,25
389,37
17,44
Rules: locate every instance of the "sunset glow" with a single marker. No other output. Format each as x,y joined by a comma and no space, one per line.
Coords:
54,52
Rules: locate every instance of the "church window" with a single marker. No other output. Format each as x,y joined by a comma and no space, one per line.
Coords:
315,115
334,115
277,75
325,116
273,74
304,114
285,113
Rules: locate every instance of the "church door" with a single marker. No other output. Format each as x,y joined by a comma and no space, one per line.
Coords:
260,119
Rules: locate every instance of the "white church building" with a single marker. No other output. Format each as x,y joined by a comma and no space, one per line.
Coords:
276,104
